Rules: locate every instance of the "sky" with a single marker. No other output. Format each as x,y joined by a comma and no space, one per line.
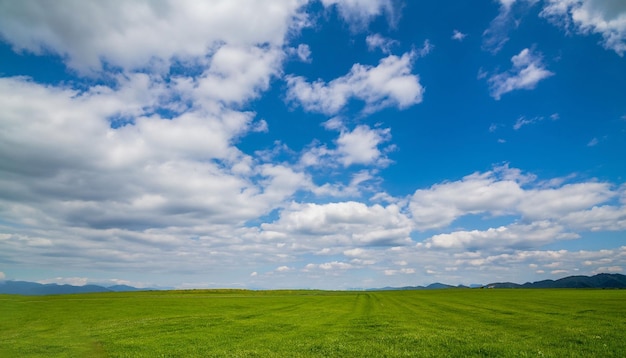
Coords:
319,144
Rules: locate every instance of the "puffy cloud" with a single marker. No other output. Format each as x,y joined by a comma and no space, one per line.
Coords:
458,35
237,74
343,224
598,218
528,69
77,190
606,18
504,192
304,52
361,145
441,204
358,13
389,84
335,265
376,41
504,237
557,202
139,34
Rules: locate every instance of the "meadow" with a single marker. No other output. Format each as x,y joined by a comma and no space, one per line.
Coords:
239,323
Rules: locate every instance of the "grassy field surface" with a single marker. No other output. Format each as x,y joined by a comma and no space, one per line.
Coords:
232,323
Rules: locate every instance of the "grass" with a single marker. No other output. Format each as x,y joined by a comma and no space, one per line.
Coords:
233,323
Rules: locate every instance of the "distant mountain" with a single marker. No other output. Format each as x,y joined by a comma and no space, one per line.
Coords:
432,286
125,288
34,288
602,280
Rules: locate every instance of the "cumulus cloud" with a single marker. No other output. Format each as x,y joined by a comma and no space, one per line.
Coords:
528,69
140,34
506,192
345,224
504,237
359,13
606,18
361,145
389,84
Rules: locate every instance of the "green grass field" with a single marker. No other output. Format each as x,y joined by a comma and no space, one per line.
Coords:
232,323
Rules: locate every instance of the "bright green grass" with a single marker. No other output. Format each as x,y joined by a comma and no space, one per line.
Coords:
230,323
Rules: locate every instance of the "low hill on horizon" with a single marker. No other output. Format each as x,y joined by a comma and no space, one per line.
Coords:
602,280
34,288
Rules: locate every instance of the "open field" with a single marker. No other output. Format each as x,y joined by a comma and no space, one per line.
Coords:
442,323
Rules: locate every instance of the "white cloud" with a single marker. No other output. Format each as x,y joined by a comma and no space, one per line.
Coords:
604,17
376,41
441,204
389,84
504,192
74,281
359,13
528,69
283,269
426,48
2,276
344,224
304,52
598,218
458,35
236,74
139,34
503,237
523,121
82,192
335,265
361,146
404,271
508,19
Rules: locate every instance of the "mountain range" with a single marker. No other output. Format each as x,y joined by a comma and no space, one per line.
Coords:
603,280
34,288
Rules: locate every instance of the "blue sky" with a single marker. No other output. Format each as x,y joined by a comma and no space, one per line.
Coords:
311,144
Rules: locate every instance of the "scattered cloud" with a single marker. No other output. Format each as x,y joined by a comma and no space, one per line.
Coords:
493,127
522,121
389,84
361,145
593,142
302,52
155,34
606,18
504,191
342,224
359,13
509,17
74,281
528,69
376,41
426,48
516,236
458,35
